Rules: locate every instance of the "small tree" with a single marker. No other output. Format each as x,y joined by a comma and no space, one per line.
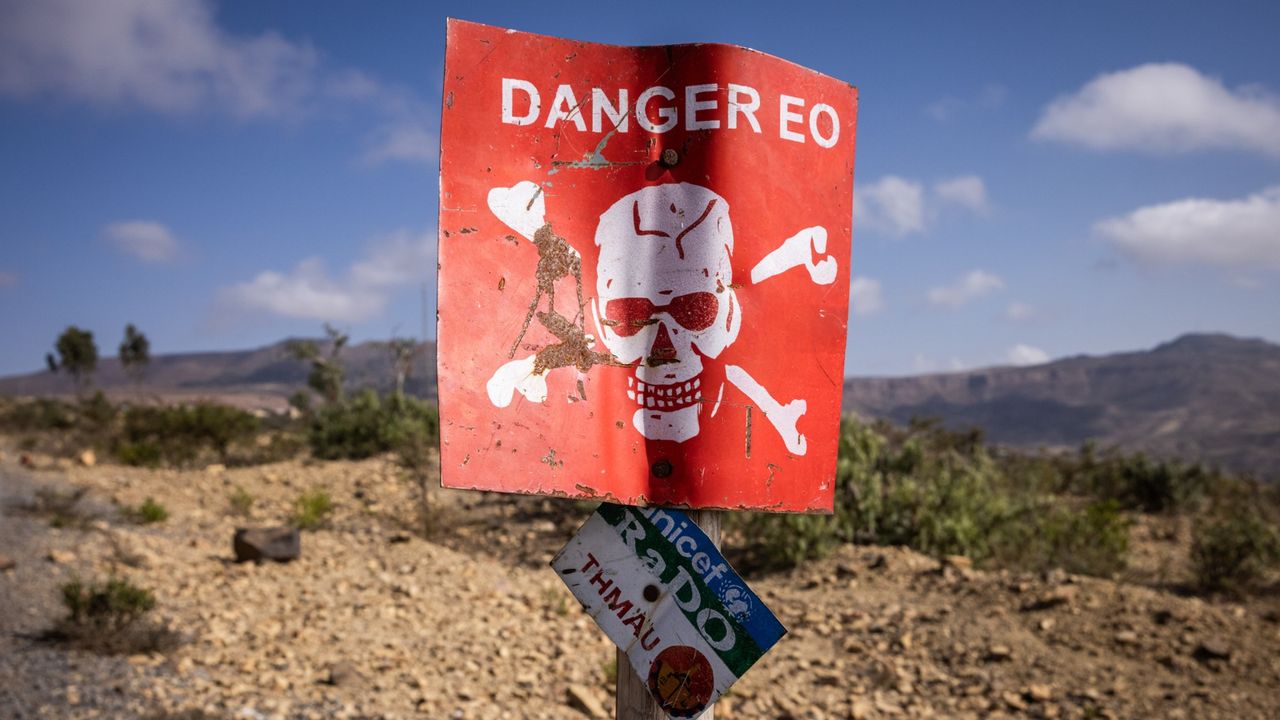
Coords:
327,372
135,352
77,354
403,352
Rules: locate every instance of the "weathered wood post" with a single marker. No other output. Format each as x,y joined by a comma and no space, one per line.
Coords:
634,702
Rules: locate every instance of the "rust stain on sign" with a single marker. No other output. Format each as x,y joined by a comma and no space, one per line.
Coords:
667,298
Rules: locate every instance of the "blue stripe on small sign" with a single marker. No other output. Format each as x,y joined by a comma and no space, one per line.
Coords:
745,606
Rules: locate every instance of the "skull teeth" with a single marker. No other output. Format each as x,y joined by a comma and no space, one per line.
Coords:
665,397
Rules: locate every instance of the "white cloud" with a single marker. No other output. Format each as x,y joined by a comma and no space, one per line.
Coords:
967,288
173,58
165,56
146,240
1019,311
309,292
409,142
990,97
1163,108
967,191
1242,233
900,206
1026,355
891,205
865,297
8,279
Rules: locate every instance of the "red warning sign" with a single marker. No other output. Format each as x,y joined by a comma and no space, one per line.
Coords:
644,271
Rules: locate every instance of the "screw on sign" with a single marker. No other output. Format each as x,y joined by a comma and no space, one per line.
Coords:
643,293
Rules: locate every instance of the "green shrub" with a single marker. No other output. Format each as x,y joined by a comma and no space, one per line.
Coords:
149,512
1138,482
312,509
109,617
40,414
942,493
97,413
241,501
1232,549
143,454
1092,540
108,606
367,425
180,435
785,541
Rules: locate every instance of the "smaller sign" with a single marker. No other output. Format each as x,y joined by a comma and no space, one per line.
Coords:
663,593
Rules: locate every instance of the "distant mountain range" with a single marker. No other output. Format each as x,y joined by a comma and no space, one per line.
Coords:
263,377
1206,398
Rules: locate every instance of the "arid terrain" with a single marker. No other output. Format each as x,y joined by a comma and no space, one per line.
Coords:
375,621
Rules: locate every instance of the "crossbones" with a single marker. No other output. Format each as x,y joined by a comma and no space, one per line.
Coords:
664,287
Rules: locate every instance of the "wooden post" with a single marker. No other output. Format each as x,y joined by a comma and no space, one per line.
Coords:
633,699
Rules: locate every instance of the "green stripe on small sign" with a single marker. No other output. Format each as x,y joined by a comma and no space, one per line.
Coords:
701,607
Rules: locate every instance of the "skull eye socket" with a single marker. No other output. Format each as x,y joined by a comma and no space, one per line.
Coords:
695,311
626,316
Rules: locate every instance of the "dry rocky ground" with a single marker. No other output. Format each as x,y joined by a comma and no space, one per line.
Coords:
374,621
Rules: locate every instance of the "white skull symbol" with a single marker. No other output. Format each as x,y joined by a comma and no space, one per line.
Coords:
665,298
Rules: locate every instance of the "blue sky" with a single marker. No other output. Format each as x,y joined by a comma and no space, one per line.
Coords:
1034,180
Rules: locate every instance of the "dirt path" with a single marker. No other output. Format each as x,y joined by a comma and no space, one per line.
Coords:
374,622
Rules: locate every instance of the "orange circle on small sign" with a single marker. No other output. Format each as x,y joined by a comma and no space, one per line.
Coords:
682,680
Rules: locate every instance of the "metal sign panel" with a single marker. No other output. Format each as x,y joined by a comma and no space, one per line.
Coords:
644,271
662,592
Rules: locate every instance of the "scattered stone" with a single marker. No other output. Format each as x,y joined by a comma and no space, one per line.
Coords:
582,699
1060,595
215,468
1056,576
344,674
281,544
877,561
61,557
7,563
1013,700
1127,637
87,458
999,653
862,710
1038,692
959,562
1212,650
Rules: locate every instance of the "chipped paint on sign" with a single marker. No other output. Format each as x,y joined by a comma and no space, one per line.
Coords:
644,263
663,593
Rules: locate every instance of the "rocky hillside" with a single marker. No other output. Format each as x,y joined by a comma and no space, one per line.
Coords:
1209,398
269,374
374,622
